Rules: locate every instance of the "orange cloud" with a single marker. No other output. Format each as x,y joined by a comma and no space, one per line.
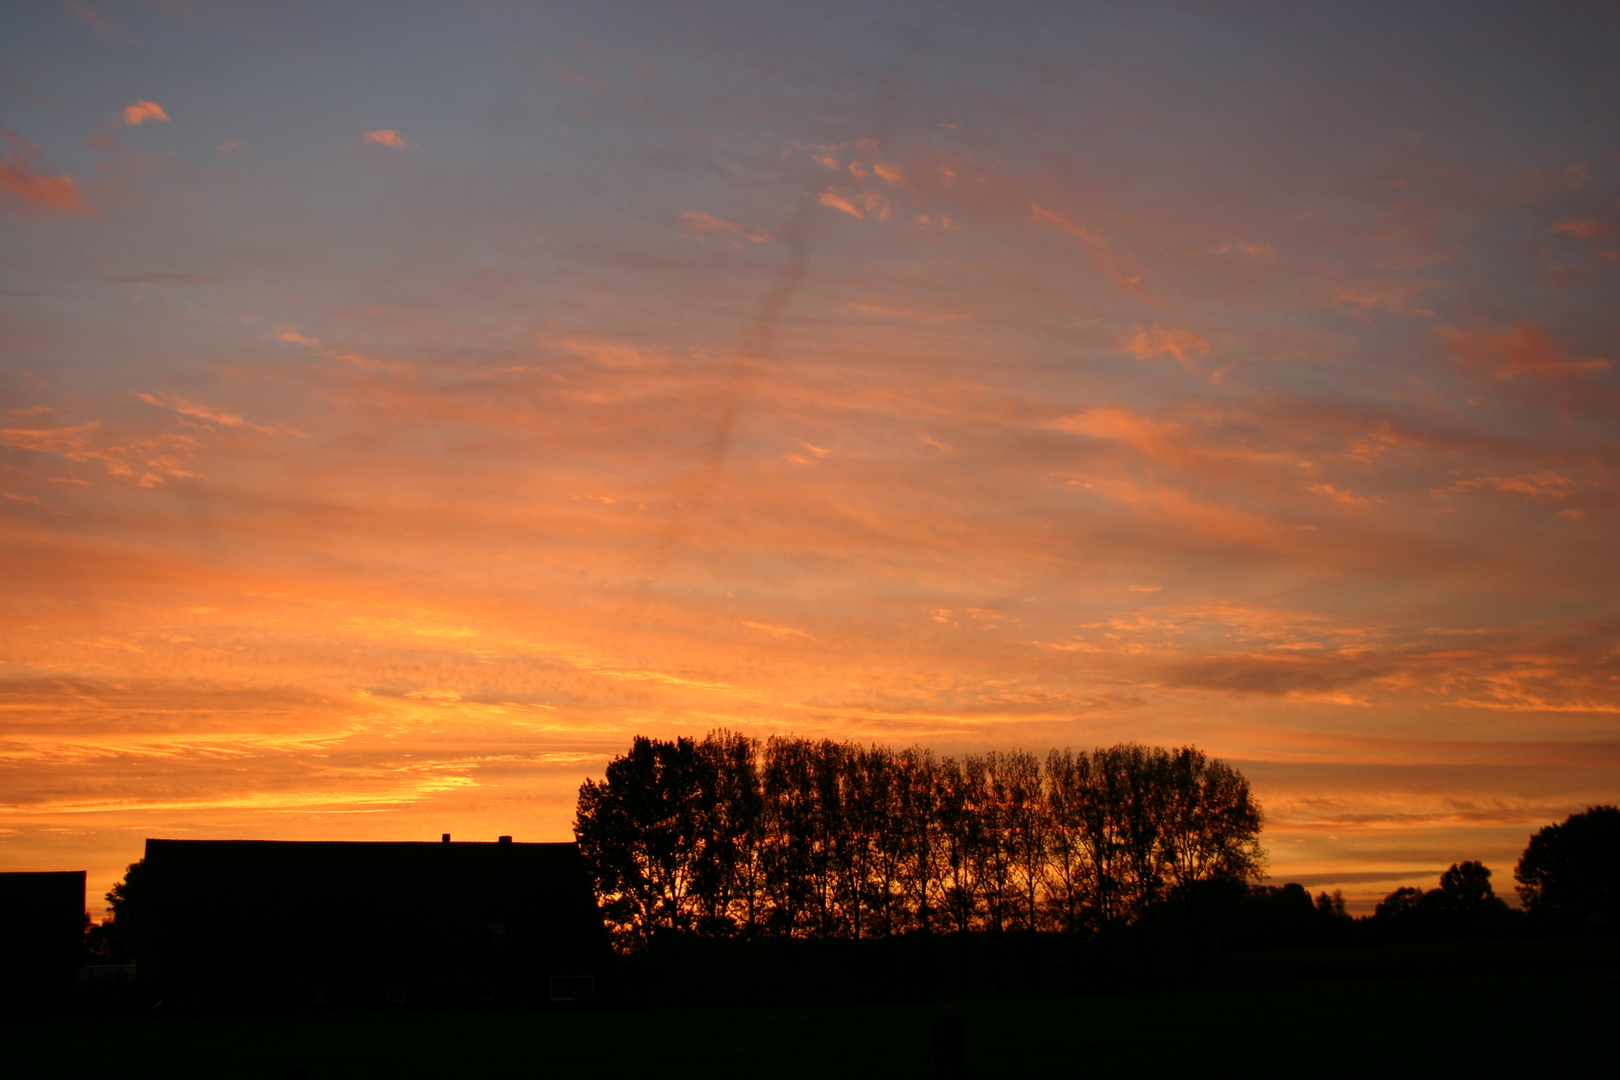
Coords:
1190,443
1544,484
699,222
1587,229
385,137
856,204
611,354
293,337
1154,437
1525,351
880,311
21,177
139,112
1103,253
1394,295
1199,516
1183,345
1254,249
147,460
1337,494
203,412
839,202
775,630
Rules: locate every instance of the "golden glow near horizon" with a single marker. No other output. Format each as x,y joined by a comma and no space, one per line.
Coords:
401,415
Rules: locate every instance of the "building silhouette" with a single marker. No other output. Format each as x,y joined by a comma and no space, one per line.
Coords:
260,923
41,937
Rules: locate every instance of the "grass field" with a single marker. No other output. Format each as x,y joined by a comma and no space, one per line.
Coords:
1551,1024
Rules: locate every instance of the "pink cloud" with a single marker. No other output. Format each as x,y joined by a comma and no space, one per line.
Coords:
838,202
139,112
385,137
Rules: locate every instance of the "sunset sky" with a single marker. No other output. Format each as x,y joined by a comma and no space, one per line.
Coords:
403,405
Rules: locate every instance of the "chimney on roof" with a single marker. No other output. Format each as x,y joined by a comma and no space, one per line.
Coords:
505,839
444,839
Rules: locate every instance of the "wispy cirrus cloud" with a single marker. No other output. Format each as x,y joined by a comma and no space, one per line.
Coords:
103,25
207,413
695,221
1101,249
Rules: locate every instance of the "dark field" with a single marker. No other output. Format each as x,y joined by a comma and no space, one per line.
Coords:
1264,1022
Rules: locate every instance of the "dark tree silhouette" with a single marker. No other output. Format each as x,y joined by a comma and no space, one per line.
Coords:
646,831
1403,902
1569,875
115,940
1331,905
823,839
1465,890
732,878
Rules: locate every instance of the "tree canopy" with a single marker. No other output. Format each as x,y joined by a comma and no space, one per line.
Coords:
1569,875
804,838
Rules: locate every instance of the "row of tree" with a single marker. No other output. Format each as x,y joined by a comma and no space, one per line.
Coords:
793,837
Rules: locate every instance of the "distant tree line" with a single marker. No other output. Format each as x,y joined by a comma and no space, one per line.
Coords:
792,837
1463,907
1568,883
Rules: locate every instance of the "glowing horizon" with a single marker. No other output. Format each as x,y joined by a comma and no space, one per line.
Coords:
403,411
